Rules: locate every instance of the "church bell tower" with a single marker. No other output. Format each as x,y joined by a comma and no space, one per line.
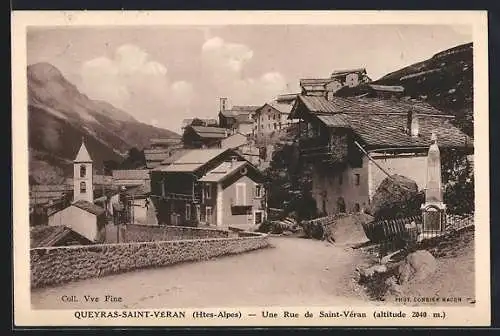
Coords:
83,187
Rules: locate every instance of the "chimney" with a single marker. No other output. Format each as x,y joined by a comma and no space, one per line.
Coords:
222,104
412,124
232,162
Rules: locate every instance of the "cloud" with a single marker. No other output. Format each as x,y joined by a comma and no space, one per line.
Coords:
224,65
132,81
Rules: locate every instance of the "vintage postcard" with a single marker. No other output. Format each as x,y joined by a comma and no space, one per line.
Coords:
250,168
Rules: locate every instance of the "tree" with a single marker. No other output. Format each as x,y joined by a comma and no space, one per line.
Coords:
290,186
134,159
458,181
109,166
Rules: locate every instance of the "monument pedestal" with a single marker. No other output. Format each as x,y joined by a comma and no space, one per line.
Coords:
433,220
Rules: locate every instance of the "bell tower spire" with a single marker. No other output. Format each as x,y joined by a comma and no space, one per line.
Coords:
83,188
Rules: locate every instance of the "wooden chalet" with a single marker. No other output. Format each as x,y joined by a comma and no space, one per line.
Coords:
203,137
353,143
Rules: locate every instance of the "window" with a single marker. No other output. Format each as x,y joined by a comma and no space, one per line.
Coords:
208,211
356,179
202,217
207,191
162,188
259,191
357,208
275,126
258,217
188,211
198,212
240,194
83,171
83,187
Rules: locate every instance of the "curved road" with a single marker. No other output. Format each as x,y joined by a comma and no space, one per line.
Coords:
293,272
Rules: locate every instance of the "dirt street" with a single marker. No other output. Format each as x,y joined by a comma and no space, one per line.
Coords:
294,272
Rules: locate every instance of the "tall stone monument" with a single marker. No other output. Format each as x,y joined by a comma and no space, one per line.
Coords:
433,210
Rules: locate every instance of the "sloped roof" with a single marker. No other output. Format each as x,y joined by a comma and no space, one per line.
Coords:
131,174
155,156
315,81
347,71
239,109
334,120
191,160
321,105
46,236
378,130
394,88
243,119
165,141
282,107
288,97
222,171
210,132
234,141
83,154
41,194
89,207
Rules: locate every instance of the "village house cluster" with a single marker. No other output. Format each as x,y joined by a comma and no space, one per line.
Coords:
352,131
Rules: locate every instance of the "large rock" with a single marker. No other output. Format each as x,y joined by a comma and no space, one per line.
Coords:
417,266
397,196
348,230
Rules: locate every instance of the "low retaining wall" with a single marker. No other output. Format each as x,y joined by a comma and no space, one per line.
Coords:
147,233
56,265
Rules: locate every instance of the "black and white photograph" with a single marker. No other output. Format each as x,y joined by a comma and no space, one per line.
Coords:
234,165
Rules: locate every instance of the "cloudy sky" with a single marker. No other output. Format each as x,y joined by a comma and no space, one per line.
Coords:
161,75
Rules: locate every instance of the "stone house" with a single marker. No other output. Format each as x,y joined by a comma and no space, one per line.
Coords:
209,187
272,117
238,119
337,80
353,143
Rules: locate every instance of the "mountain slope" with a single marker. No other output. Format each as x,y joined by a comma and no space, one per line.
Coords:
445,80
59,115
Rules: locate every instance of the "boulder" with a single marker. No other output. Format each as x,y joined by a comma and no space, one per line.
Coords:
348,230
397,196
417,266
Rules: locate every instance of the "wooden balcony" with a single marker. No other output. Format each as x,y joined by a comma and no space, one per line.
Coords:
323,149
182,197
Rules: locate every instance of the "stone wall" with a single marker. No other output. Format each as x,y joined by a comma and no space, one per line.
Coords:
147,233
56,265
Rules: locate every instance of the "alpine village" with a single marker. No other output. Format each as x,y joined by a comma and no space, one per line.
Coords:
384,167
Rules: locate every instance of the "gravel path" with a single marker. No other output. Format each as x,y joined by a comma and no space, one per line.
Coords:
294,272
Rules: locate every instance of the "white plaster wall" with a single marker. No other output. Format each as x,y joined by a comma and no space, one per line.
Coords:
78,220
412,167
